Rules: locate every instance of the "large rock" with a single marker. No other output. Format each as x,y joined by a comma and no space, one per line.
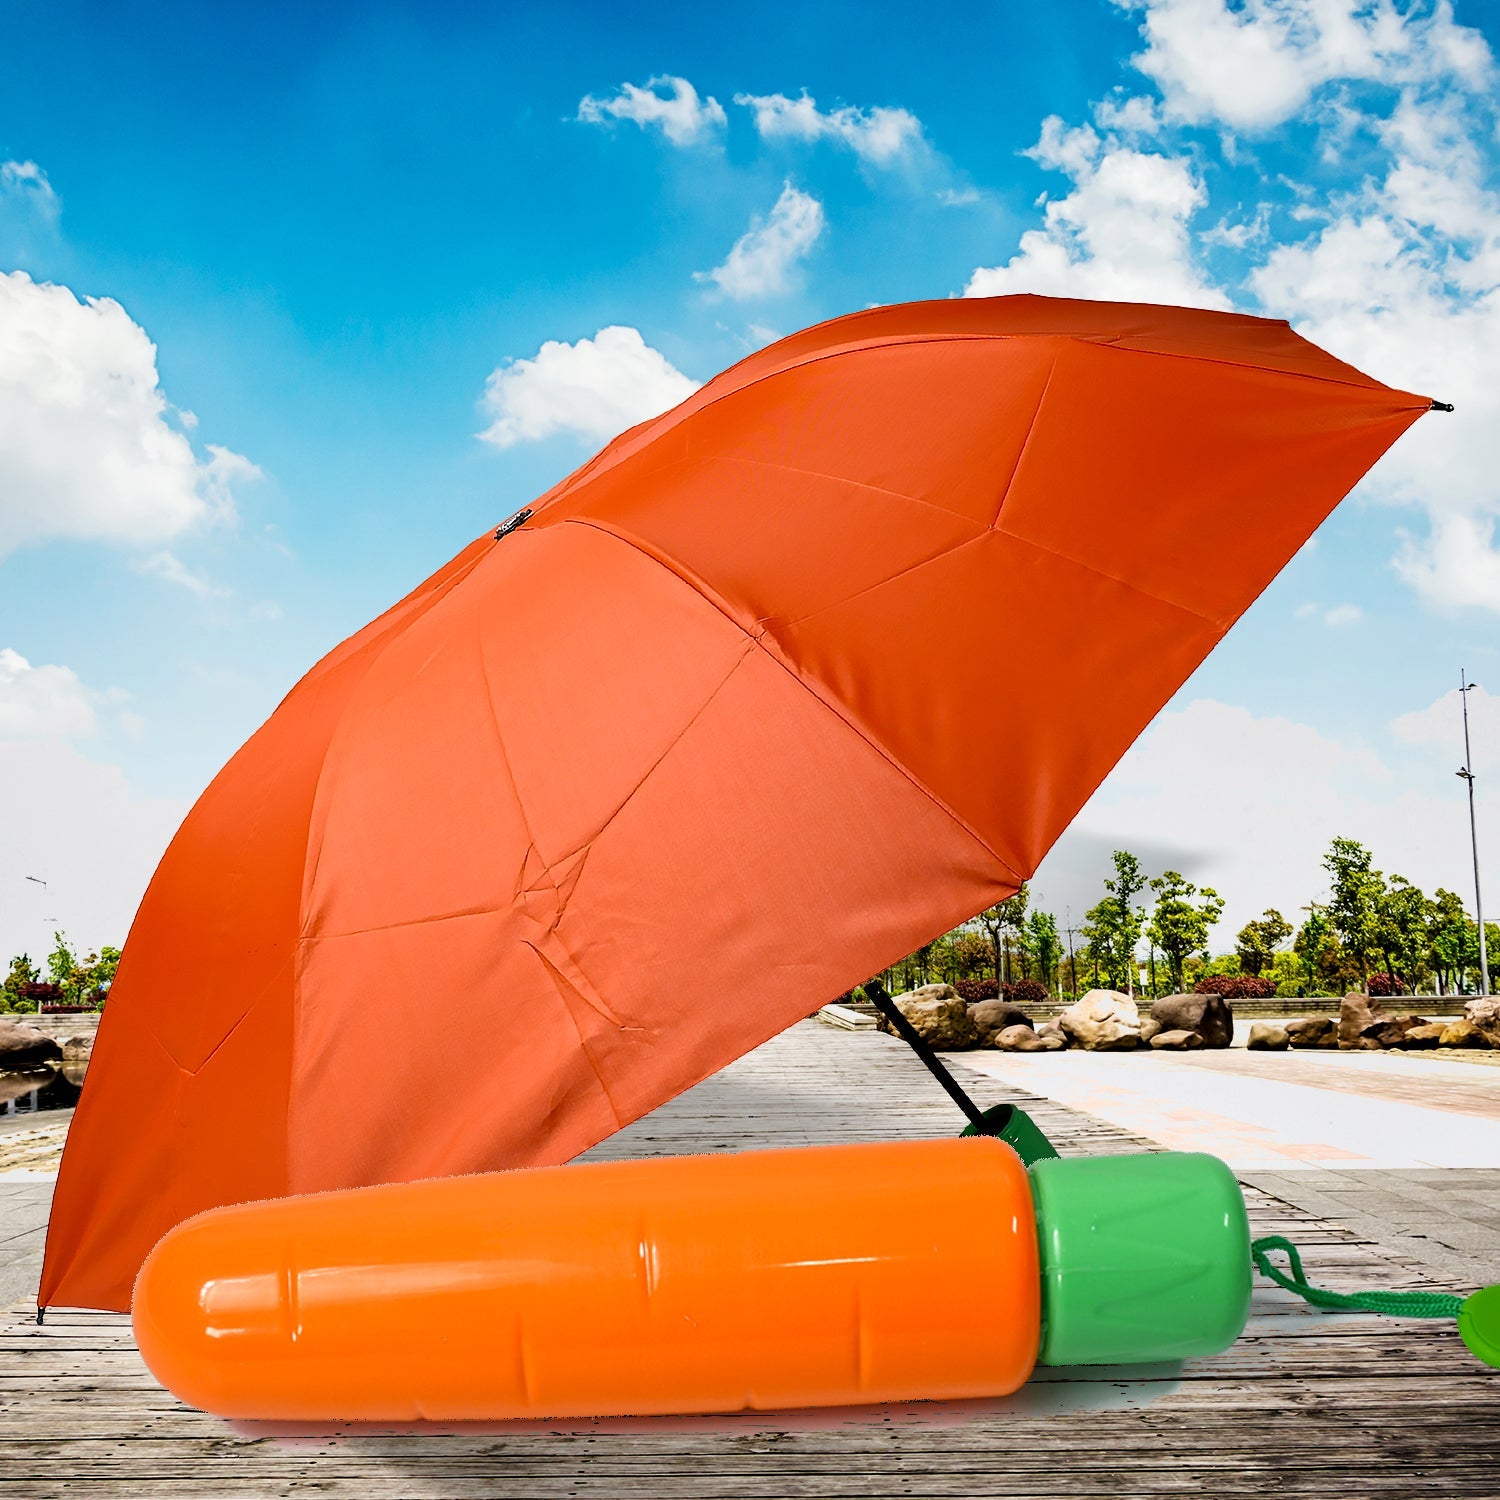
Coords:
991,1017
1483,1014
1052,1031
1149,1027
940,1019
931,992
1103,1021
1266,1036
1462,1033
1429,1035
1177,1040
1208,1015
1357,1011
1391,1031
78,1048
1313,1031
23,1048
1023,1039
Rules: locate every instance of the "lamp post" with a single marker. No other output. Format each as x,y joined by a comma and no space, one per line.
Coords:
1072,962
1468,775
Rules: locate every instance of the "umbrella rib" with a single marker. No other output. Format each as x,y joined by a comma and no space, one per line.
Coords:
1015,468
378,647
757,637
587,473
843,479
671,745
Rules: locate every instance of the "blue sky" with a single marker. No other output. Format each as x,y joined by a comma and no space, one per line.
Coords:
366,279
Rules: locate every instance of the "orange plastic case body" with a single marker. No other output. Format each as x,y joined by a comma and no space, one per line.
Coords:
680,1284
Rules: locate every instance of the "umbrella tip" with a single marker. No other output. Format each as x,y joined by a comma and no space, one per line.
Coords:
1441,406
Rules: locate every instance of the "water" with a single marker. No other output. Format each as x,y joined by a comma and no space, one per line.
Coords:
34,1093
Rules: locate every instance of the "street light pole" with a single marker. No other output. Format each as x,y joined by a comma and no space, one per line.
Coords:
1468,775
1072,962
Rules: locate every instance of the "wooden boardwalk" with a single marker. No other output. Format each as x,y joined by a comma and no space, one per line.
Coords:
1306,1404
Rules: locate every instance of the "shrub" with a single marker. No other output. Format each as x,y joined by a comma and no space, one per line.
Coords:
1236,987
40,994
1383,984
1026,992
972,991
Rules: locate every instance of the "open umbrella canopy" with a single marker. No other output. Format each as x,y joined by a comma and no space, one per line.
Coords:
774,689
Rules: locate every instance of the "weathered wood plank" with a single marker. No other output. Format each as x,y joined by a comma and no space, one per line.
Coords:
1305,1404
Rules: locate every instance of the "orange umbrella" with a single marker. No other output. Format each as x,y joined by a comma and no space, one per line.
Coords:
769,692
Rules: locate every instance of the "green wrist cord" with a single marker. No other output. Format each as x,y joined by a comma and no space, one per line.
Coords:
1478,1315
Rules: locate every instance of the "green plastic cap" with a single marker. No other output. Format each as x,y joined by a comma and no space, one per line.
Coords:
1479,1325
1143,1257
1018,1130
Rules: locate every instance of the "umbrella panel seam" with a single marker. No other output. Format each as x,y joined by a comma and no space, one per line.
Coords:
1031,426
757,638
839,479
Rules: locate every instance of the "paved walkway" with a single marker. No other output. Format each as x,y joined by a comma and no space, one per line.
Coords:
1405,1151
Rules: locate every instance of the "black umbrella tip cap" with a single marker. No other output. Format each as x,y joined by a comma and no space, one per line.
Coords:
1441,406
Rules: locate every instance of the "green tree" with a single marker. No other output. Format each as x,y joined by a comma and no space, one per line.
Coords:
1180,924
1450,935
1043,945
1402,919
922,960
1112,928
1002,924
1101,944
93,977
1288,973
1329,970
22,973
971,953
61,962
1353,908
1258,941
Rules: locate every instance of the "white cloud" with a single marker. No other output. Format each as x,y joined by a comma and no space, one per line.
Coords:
761,261
1131,114
85,448
23,182
1293,790
1121,234
594,389
878,136
1253,65
45,702
53,803
680,114
1441,726
168,566
1456,566
1405,282
1339,617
